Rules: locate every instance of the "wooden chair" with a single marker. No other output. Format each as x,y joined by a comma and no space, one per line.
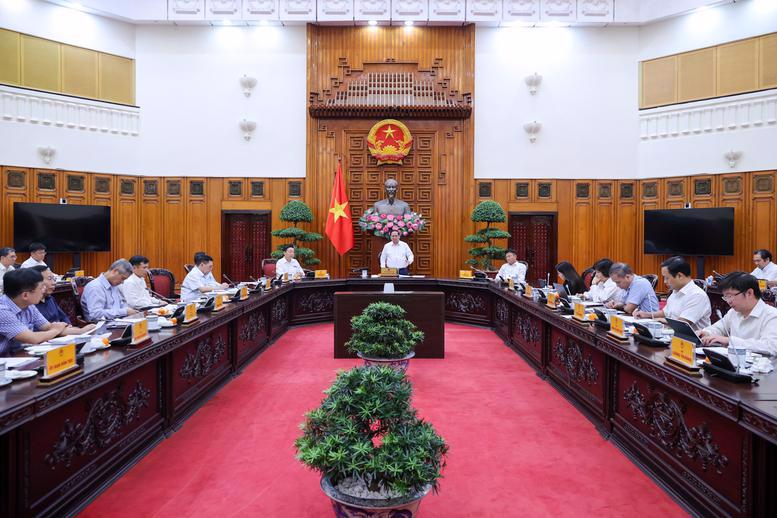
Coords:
78,284
588,277
268,267
163,282
700,283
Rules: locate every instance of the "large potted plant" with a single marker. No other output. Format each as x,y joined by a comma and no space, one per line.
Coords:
297,212
377,458
382,336
487,212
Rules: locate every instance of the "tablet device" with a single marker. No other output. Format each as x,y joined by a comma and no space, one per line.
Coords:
642,330
683,330
561,290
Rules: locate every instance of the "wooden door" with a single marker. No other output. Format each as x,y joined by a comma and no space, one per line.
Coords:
246,242
533,237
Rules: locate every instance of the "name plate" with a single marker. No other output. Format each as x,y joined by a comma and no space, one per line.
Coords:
320,274
510,284
59,361
190,313
553,299
218,303
465,274
244,293
617,326
140,332
579,311
79,273
683,351
268,284
388,271
762,284
286,277
529,290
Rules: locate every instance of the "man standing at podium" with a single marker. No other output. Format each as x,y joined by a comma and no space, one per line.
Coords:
396,254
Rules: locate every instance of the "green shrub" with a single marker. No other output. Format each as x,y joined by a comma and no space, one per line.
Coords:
487,212
366,428
381,331
297,212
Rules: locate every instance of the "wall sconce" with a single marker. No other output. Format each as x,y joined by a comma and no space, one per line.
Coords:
532,128
247,127
733,157
46,153
248,84
533,81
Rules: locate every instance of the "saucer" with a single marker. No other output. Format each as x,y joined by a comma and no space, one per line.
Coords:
20,375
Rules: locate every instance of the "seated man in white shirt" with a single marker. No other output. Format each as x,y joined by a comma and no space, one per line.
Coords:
396,254
687,302
7,258
603,289
512,269
37,255
200,280
750,323
287,264
764,267
134,288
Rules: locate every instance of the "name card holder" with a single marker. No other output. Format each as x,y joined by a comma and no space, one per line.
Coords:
59,364
243,293
618,328
218,303
320,274
79,273
190,313
510,284
388,272
465,274
529,291
268,284
140,332
285,276
580,315
683,357
762,284
552,300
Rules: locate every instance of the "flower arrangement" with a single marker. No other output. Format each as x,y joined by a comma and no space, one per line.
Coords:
383,224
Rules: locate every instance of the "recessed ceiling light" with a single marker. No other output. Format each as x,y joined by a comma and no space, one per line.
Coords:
408,23
373,23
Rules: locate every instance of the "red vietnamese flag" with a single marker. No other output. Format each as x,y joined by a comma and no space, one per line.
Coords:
339,226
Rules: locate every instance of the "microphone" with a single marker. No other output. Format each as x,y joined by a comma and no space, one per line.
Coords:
228,279
481,272
157,295
254,280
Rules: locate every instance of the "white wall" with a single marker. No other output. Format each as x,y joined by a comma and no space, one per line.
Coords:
191,100
69,26
587,102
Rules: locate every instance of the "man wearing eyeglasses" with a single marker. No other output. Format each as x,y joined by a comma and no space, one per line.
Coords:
750,323
20,321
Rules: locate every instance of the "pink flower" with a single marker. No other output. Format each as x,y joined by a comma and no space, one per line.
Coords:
389,225
379,226
415,226
383,216
390,216
401,224
404,233
374,218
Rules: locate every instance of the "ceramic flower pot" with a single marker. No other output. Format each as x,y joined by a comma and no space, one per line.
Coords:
395,363
346,506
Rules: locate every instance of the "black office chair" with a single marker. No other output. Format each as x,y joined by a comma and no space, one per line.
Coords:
653,278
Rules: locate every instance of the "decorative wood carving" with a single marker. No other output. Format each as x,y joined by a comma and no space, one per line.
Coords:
235,188
295,189
17,179
463,302
102,185
650,190
664,417
127,187
106,418
501,311
627,191
521,190
150,187
544,190
527,327
75,183
676,188
253,326
485,189
605,190
702,187
199,363
257,189
315,301
580,369
582,190
763,183
47,181
392,89
280,310
197,188
732,185
174,187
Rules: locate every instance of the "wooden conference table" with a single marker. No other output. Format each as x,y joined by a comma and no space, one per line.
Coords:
711,443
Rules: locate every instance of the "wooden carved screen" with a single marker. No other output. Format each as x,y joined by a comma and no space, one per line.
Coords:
365,179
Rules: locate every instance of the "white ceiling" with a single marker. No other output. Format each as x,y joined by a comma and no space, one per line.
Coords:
384,12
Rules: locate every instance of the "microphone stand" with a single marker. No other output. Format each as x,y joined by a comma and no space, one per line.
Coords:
157,295
231,284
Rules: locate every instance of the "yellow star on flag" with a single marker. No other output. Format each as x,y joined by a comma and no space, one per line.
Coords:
339,210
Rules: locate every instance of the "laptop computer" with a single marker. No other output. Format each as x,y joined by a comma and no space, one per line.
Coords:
684,330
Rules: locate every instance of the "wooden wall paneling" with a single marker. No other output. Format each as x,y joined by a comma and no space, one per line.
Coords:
582,214
651,197
278,196
152,222
696,75
767,65
75,187
675,192
212,242
16,188
196,225
175,227
763,212
236,189
737,67
703,191
47,186
566,238
605,219
625,227
101,191
739,199
127,222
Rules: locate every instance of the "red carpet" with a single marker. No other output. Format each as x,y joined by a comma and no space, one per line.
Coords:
517,447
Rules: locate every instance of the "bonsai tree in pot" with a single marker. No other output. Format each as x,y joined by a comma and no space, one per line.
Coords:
382,336
375,455
296,212
487,212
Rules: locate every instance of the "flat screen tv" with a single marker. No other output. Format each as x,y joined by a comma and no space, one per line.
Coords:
697,232
62,228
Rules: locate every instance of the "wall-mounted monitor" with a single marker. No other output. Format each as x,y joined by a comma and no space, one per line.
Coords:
699,232
62,228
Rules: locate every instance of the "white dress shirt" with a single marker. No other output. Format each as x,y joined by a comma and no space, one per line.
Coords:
605,292
396,256
515,271
3,271
690,303
291,267
190,289
768,273
757,332
29,263
136,294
